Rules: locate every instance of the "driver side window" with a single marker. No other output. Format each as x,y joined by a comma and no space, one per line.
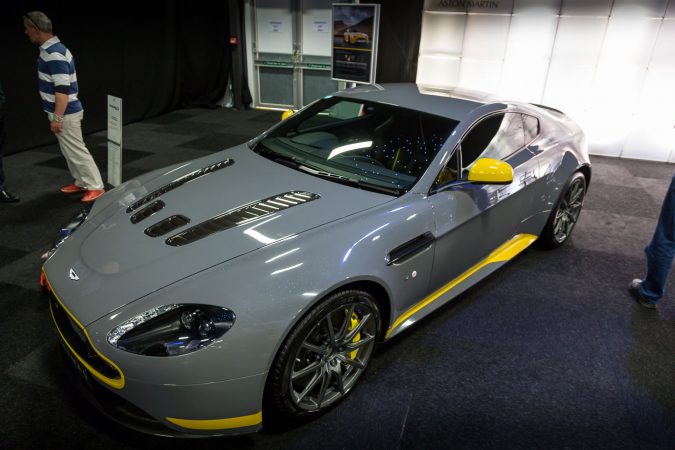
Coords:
497,136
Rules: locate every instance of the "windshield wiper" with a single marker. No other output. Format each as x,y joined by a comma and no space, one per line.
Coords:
348,181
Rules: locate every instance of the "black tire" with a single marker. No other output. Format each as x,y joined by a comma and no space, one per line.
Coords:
565,213
308,356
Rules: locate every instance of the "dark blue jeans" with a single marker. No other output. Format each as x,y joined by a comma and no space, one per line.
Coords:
660,250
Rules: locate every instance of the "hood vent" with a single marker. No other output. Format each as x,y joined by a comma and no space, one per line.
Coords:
147,211
167,225
241,215
179,182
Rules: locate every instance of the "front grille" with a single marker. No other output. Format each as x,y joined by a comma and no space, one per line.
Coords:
167,225
77,341
179,182
241,215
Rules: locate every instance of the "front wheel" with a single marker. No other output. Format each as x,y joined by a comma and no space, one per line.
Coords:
566,212
324,356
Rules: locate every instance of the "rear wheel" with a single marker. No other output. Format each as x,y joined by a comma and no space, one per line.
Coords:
566,212
324,356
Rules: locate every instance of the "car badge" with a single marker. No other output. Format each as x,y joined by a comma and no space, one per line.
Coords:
73,275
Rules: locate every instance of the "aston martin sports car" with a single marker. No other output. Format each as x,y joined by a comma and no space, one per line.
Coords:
254,284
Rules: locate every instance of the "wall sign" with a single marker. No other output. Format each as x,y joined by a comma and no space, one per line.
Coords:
355,34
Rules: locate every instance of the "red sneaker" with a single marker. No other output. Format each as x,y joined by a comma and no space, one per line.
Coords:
92,194
72,188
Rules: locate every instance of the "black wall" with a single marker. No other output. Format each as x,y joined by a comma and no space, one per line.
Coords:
399,46
156,55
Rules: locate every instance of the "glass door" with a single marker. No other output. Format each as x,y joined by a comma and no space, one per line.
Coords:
292,52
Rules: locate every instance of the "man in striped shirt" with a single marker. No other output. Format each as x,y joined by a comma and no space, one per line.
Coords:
58,90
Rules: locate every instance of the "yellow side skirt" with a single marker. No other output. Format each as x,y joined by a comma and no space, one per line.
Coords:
218,424
504,252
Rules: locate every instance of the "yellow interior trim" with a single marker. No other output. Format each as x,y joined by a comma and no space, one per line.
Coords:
114,383
218,424
504,252
488,170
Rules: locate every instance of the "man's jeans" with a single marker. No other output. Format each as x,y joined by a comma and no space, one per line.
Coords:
661,249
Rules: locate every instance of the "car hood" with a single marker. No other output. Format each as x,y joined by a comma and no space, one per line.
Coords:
110,261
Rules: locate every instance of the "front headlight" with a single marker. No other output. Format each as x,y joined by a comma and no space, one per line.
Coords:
172,330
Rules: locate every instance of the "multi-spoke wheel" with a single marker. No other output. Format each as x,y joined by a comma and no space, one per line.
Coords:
325,355
565,214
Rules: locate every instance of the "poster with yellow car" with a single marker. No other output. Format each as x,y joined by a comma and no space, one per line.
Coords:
355,30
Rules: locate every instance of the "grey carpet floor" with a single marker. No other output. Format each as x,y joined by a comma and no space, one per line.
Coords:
549,352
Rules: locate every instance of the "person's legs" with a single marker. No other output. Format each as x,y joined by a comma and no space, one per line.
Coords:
661,250
80,162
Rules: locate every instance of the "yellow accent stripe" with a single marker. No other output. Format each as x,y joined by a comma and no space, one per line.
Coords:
504,252
218,424
354,49
114,383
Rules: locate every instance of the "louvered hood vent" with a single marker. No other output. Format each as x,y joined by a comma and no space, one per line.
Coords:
149,210
241,215
179,182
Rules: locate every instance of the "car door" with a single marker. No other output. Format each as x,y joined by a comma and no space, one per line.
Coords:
473,219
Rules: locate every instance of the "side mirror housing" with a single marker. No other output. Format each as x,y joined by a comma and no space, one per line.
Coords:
491,171
286,114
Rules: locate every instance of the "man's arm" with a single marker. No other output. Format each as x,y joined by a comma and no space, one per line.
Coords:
61,101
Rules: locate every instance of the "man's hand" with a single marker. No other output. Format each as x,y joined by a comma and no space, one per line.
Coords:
56,127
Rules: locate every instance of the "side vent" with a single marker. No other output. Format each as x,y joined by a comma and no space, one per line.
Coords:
241,215
149,210
167,225
179,182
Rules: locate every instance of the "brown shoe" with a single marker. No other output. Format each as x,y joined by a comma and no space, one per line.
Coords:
92,194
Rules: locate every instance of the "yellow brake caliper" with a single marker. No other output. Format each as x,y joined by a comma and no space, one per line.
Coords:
354,322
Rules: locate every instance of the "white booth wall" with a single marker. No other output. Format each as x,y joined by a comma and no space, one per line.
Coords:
609,64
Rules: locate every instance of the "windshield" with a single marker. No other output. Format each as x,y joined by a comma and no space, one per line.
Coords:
364,144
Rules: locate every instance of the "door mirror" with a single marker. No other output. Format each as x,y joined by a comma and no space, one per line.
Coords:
491,171
286,114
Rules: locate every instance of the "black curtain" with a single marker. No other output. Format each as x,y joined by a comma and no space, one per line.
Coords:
158,55
399,46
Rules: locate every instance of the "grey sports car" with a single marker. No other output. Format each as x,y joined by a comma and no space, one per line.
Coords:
256,282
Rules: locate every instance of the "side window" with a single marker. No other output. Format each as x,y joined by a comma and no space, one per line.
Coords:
498,137
531,125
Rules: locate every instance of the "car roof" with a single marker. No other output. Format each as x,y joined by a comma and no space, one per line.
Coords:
452,103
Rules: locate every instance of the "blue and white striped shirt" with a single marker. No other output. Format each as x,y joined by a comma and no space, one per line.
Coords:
56,73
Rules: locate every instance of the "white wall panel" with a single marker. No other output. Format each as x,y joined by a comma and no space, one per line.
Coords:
480,75
578,40
630,39
608,64
482,29
664,51
640,8
443,34
670,12
531,35
438,71
536,6
523,79
597,8
568,87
